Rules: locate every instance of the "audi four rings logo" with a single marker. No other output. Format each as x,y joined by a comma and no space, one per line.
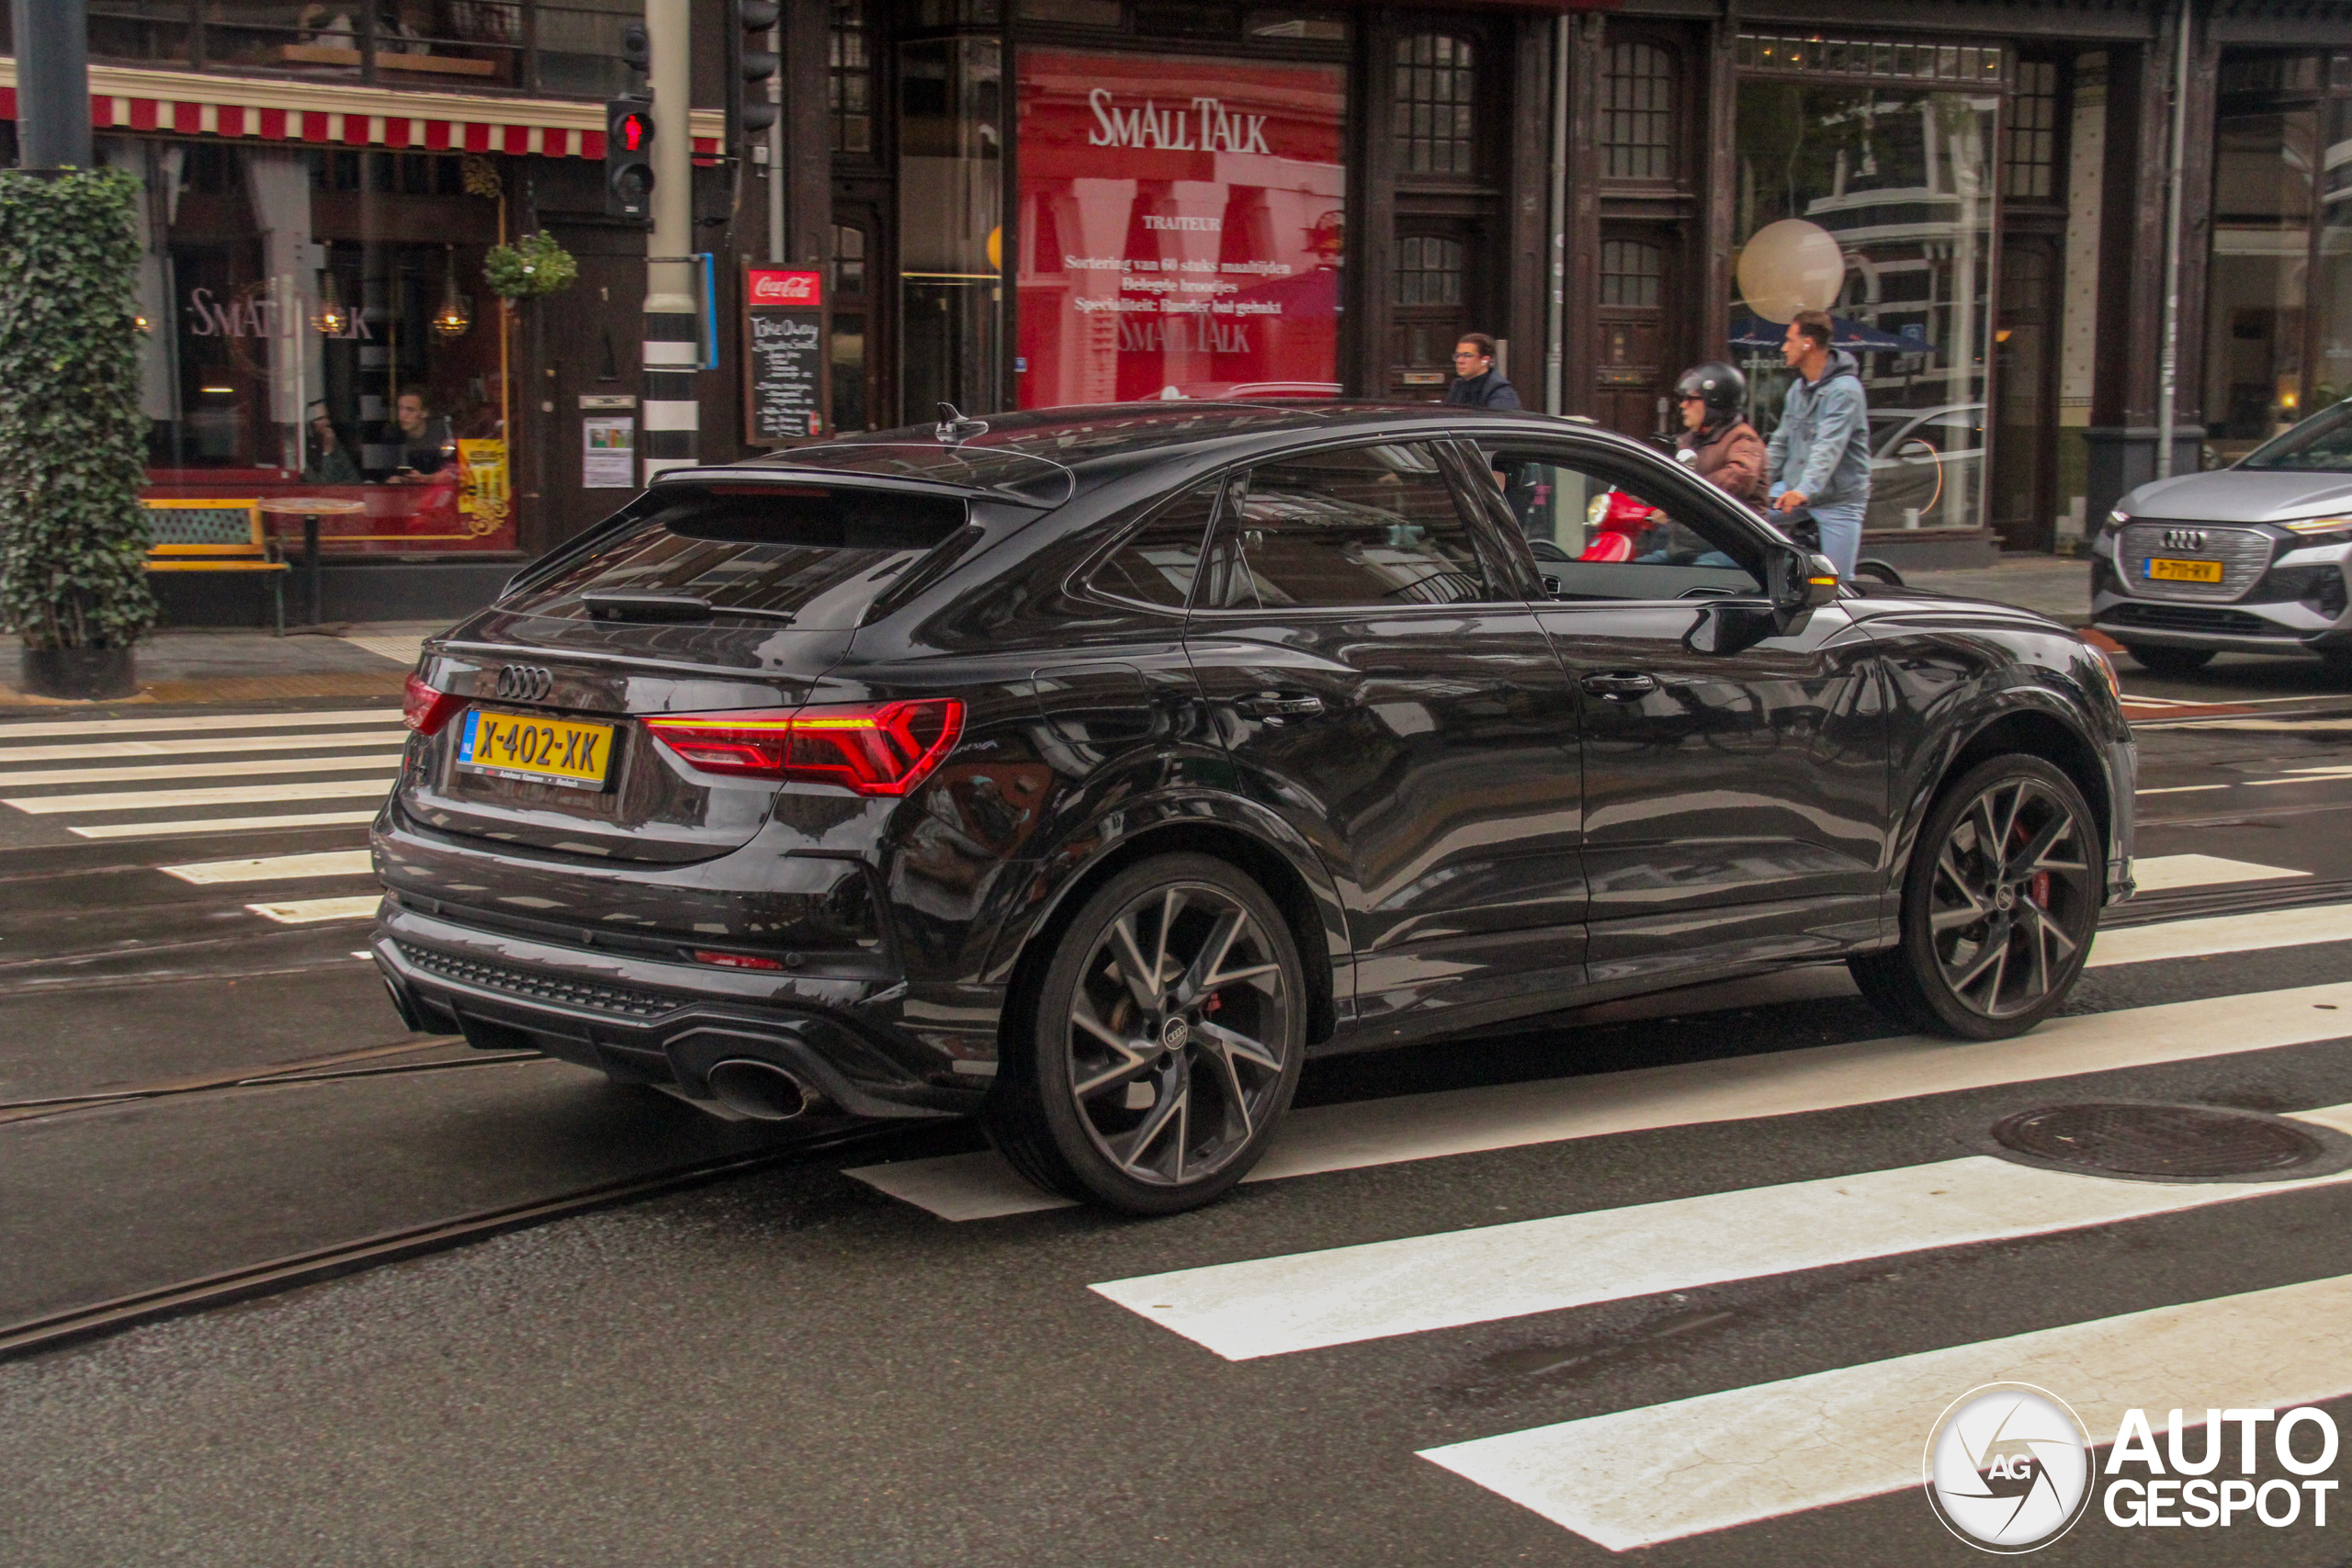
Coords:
2184,539
523,683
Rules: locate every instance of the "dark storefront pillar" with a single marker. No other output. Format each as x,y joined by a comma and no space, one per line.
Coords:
1583,227
2122,436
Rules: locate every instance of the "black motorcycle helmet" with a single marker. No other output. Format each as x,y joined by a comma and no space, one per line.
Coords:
1723,388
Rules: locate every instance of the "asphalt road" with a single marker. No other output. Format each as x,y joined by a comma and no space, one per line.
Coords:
798,1367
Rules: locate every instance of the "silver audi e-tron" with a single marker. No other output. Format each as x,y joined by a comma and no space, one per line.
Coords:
2249,558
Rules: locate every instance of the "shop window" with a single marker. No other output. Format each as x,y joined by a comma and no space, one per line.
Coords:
1436,87
1139,276
1828,213
160,30
1637,112
1633,272
2257,281
951,315
580,47
1429,270
2032,171
306,342
851,91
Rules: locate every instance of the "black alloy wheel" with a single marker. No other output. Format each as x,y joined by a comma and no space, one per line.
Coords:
2169,660
1999,906
1147,1069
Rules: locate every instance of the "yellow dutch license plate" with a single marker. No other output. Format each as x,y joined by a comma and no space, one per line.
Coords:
541,751
2169,570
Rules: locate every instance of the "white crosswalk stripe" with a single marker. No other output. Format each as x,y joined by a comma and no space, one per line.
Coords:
209,768
2162,874
389,733
193,724
234,794
1275,1306
1637,1477
310,912
195,825
2218,934
273,868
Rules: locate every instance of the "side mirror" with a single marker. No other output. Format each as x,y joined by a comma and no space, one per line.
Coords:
1798,581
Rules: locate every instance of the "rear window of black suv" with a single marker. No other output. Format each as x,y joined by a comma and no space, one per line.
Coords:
805,554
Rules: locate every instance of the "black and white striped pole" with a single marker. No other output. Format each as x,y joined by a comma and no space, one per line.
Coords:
669,410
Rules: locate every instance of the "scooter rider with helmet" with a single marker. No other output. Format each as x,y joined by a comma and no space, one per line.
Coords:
1718,440
1721,446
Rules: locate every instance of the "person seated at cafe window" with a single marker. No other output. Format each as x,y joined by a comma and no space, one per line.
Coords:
402,21
425,446
326,25
331,460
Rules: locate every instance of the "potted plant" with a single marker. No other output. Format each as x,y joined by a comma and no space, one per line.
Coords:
73,537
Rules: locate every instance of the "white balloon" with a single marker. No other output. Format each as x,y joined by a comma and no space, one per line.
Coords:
1789,266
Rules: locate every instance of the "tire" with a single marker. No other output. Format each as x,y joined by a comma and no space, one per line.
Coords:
1132,1079
2034,904
2169,660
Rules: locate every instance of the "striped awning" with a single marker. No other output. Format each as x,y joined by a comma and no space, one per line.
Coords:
189,103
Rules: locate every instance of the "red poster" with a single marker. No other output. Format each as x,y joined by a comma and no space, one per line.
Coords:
1181,222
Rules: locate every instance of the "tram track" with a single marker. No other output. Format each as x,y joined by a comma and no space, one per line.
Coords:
55,1330
331,1069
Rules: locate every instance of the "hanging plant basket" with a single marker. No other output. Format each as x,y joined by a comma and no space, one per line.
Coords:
531,266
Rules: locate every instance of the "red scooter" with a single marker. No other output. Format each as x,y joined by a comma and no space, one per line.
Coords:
1619,521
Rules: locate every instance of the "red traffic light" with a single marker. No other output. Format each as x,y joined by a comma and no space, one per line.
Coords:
632,131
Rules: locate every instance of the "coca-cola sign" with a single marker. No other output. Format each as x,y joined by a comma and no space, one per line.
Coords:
777,288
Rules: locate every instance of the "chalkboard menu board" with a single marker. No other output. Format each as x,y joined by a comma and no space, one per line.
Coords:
784,355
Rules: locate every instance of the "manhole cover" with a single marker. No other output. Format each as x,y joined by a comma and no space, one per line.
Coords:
2171,1142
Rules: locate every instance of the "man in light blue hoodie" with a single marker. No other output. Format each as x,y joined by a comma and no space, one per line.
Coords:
1819,457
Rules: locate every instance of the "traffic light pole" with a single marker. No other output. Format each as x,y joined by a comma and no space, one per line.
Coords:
671,409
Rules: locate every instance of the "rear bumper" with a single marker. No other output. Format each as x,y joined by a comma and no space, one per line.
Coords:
649,1021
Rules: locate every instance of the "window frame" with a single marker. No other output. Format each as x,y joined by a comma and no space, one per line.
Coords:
1082,584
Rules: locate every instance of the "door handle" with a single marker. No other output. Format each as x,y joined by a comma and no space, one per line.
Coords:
1278,704
1620,685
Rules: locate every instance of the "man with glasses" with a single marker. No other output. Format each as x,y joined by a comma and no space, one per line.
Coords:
1476,383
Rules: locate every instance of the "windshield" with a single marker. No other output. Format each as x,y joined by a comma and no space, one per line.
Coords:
2321,444
814,556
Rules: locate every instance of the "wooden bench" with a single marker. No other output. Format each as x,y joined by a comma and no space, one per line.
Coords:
216,535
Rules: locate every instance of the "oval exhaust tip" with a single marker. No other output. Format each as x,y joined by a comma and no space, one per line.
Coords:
760,1091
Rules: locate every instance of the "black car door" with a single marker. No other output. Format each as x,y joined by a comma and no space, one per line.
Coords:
1379,678
1734,757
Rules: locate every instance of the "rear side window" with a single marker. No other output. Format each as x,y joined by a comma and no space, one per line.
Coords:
1370,526
813,556
1157,563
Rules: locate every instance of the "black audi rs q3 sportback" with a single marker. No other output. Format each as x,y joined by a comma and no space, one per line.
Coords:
1087,770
